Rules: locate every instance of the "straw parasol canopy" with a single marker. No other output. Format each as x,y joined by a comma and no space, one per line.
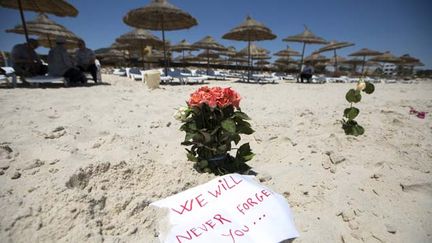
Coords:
262,62
208,43
408,60
250,30
57,7
288,52
333,46
182,47
139,38
306,37
47,42
254,50
229,51
364,52
46,28
160,15
316,57
285,60
387,57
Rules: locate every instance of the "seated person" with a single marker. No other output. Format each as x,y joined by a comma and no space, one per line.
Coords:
25,61
307,72
85,60
60,63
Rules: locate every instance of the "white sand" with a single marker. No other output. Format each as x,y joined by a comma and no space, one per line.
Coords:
117,149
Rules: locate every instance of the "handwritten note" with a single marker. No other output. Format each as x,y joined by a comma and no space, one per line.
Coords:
233,208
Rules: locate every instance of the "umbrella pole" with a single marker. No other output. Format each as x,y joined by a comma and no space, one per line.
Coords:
364,60
164,47
23,20
208,61
301,61
249,61
183,62
49,41
142,55
335,63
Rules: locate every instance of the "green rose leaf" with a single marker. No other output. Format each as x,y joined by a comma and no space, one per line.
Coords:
203,164
244,127
229,125
351,113
191,157
236,138
244,153
241,115
353,96
370,88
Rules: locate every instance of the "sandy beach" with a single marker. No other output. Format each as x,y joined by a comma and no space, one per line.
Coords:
83,164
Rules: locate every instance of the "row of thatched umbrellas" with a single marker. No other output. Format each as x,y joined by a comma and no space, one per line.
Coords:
161,15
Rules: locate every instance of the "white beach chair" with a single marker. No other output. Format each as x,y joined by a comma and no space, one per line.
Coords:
9,76
136,74
37,80
119,72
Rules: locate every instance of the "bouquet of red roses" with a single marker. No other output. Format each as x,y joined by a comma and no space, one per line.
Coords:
213,121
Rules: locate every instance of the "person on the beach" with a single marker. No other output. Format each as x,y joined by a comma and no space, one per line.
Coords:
85,59
307,72
25,61
60,63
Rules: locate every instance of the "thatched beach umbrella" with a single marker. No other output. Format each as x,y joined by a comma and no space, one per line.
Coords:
255,52
57,7
387,57
45,28
364,52
354,62
160,15
182,47
208,43
410,61
48,42
139,38
316,57
288,52
306,37
333,46
250,30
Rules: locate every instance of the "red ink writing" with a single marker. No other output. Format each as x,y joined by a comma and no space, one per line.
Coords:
225,185
196,232
253,201
238,232
188,205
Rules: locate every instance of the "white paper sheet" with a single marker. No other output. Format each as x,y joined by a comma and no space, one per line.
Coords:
232,208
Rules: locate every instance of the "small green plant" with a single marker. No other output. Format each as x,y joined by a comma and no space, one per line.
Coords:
349,125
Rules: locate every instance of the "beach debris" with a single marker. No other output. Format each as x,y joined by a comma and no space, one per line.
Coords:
168,124
5,151
265,178
36,163
56,133
96,145
419,114
390,228
2,172
16,175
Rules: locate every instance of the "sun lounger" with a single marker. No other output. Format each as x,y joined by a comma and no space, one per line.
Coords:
37,80
135,74
8,75
119,72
